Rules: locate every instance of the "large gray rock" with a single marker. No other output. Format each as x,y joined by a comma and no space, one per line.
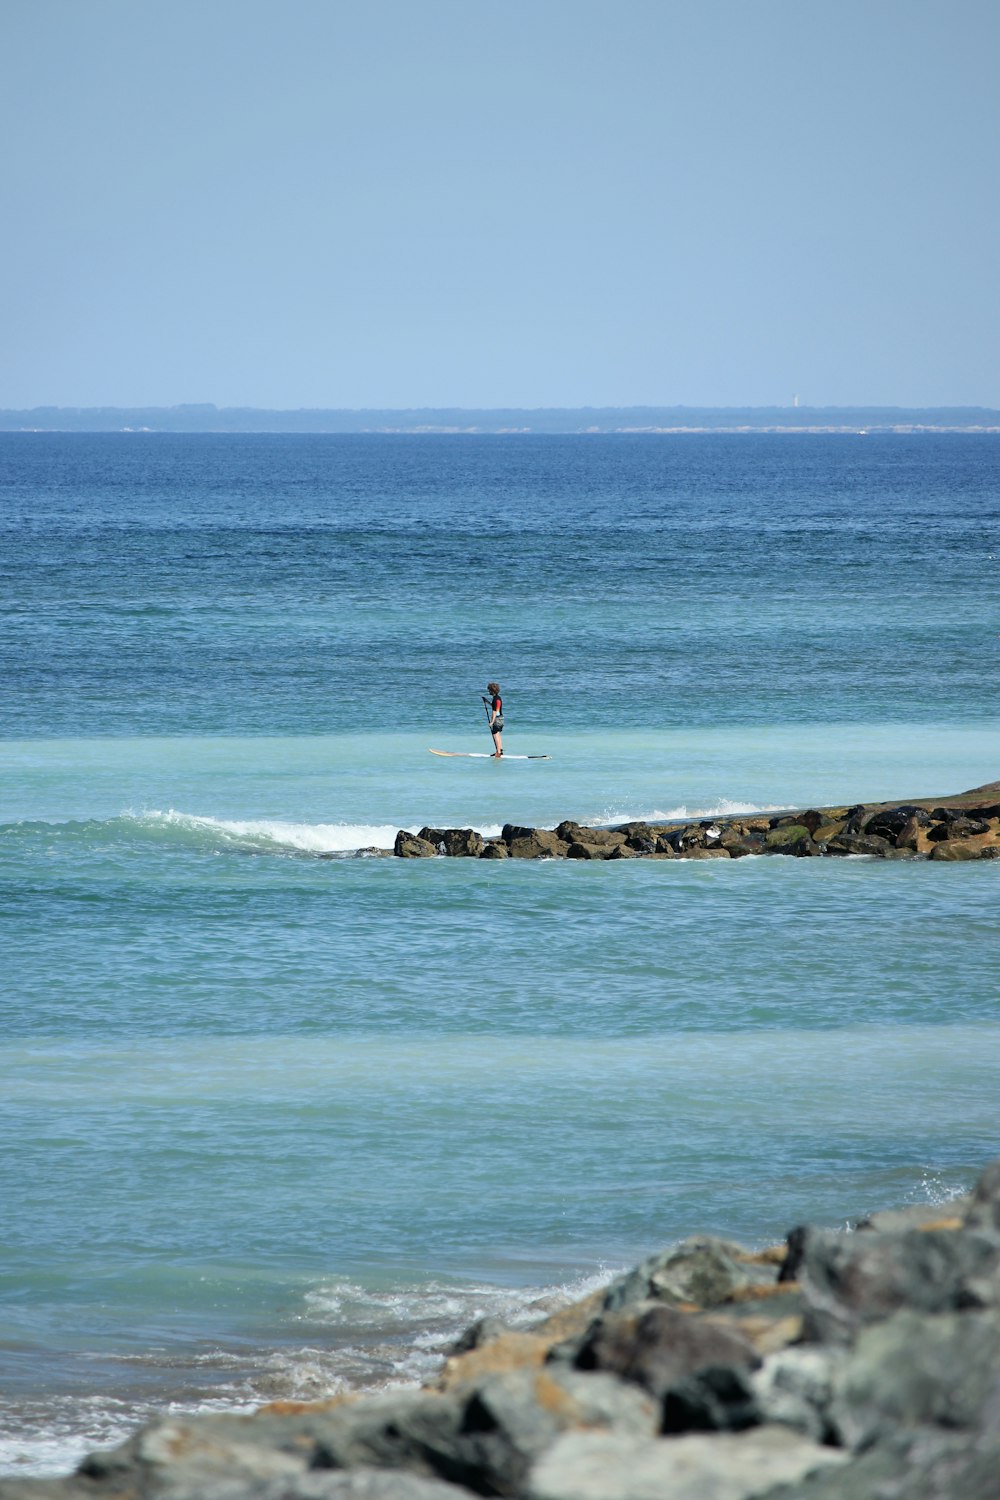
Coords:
851,1279
916,1369
396,1429
487,1438
358,1484
701,1270
983,1211
926,1465
610,1466
796,1387
511,1419
411,1430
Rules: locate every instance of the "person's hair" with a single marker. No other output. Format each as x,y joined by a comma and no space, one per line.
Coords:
493,687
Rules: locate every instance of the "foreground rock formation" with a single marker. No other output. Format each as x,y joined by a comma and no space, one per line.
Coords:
843,1365
962,827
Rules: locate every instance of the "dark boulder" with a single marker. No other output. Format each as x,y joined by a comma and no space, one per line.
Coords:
536,843
957,828
572,833
858,843
740,848
512,831
586,851
495,849
790,838
412,846
702,1270
856,818
638,830
456,842
890,822
671,841
716,1399
659,1348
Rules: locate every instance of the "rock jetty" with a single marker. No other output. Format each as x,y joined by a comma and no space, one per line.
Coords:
962,827
859,1364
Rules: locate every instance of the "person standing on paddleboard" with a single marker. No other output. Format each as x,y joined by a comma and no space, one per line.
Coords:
494,706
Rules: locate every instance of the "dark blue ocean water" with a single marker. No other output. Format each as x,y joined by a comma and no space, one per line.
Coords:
160,584
272,1123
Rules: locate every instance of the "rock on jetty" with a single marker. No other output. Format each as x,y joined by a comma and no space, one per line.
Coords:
962,827
857,1364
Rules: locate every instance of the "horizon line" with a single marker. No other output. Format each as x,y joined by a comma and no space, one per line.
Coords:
211,406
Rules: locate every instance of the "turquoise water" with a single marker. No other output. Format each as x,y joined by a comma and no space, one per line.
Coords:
276,1119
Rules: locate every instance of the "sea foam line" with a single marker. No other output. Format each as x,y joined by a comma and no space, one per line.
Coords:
723,807
276,833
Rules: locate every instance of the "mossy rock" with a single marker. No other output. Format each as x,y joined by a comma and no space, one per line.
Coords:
784,837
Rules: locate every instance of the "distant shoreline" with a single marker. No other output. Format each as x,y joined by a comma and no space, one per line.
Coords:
506,421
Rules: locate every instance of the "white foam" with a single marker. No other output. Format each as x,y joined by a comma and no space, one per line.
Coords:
721,807
432,1313
277,834
395,1337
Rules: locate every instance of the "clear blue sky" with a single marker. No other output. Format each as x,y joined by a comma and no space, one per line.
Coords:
526,202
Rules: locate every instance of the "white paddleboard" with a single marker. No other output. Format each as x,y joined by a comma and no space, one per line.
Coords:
485,755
